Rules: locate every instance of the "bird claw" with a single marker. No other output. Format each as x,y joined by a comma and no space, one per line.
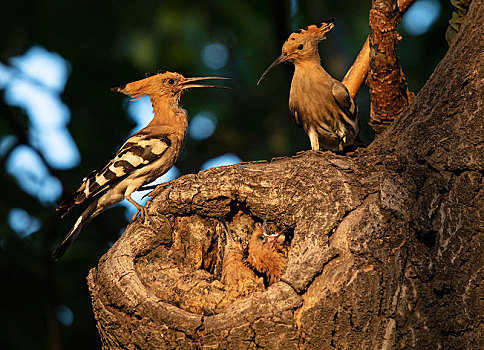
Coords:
153,188
135,215
143,215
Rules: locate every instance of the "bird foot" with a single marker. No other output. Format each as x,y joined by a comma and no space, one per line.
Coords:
135,215
155,188
143,215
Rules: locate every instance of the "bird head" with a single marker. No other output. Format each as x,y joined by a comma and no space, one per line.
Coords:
301,45
165,84
261,239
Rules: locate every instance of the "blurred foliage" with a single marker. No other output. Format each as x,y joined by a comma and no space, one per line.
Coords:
113,42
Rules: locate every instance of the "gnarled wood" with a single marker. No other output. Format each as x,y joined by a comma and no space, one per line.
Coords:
386,252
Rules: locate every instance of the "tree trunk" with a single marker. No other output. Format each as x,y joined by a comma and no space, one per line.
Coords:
386,252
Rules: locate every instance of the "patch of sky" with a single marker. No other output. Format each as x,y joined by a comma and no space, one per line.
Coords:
215,55
64,314
420,17
22,223
140,111
32,175
5,74
202,125
294,7
6,143
47,68
225,159
35,83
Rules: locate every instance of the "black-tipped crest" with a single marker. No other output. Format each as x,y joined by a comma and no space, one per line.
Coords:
305,38
328,21
118,88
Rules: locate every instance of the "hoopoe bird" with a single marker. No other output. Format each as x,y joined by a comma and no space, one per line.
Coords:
266,253
319,103
144,157
236,275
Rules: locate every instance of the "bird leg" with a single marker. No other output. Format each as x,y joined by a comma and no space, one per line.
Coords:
314,139
151,187
140,209
154,187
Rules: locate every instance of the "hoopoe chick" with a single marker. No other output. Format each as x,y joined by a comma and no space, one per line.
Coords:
236,275
266,253
143,158
320,104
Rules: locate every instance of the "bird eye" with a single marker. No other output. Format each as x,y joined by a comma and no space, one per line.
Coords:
300,47
171,82
261,238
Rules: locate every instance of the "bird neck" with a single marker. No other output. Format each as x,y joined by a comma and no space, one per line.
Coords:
310,66
168,112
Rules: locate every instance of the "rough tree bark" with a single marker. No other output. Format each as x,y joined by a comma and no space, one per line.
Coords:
356,75
386,252
389,93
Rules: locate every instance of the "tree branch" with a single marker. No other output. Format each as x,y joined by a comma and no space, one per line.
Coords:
388,86
357,73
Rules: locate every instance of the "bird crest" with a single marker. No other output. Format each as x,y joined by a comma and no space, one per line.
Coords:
301,45
317,31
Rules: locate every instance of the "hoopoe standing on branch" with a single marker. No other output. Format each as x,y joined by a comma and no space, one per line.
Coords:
143,158
318,102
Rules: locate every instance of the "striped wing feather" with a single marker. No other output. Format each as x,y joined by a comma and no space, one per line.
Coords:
138,151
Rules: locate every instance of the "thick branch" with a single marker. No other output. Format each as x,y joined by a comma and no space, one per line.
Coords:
388,87
357,73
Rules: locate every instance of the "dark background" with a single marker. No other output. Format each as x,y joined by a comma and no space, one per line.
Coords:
107,43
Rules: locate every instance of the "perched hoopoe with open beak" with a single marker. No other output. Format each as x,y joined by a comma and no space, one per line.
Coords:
319,103
143,158
266,253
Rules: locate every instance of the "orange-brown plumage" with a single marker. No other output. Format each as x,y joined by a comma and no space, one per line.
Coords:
143,158
236,275
320,104
266,254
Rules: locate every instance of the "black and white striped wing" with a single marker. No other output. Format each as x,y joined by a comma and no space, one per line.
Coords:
138,151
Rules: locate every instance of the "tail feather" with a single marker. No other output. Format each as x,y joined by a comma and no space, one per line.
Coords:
79,196
71,236
88,214
67,204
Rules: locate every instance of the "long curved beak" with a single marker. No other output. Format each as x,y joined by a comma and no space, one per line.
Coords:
189,83
278,60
